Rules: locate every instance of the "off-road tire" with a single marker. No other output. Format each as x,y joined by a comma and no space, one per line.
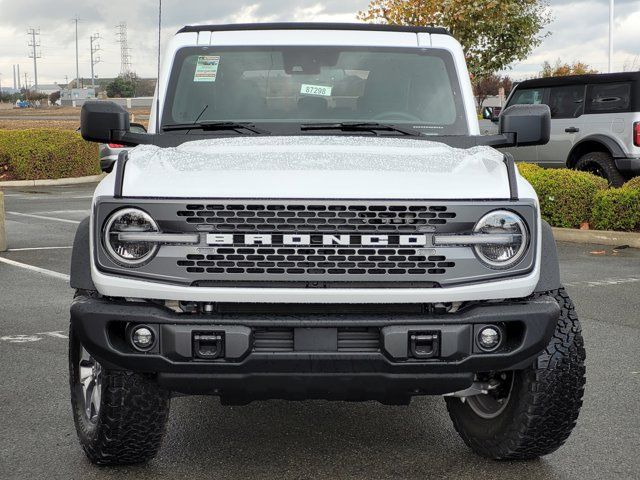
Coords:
602,164
544,403
131,421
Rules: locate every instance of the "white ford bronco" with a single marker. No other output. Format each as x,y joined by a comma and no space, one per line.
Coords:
314,215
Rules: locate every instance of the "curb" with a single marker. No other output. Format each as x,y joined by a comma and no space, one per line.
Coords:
600,237
49,182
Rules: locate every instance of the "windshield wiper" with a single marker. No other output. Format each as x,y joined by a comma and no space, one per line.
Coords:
216,126
360,127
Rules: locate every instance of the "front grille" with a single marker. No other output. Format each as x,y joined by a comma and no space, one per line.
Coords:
304,218
316,261
349,340
253,242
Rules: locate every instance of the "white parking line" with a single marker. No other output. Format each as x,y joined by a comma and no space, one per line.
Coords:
33,338
39,196
33,268
42,217
602,283
47,212
28,249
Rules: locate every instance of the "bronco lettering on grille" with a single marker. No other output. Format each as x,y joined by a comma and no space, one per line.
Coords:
305,239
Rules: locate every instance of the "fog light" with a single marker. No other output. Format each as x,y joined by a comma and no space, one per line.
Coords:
142,338
489,338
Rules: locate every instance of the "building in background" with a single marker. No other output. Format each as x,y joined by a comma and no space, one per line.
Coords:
48,88
76,96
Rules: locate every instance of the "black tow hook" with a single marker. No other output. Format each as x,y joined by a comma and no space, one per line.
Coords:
424,345
208,346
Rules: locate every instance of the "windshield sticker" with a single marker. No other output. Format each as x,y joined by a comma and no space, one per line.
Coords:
206,68
317,90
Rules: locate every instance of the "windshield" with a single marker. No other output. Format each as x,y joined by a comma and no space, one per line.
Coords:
298,85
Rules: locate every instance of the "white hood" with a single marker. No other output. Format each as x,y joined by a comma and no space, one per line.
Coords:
316,167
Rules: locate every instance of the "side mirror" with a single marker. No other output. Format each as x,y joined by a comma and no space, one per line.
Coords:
99,119
487,113
527,124
137,128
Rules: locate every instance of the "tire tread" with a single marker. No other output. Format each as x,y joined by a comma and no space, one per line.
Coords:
549,401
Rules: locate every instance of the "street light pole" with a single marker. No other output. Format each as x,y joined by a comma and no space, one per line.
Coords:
611,5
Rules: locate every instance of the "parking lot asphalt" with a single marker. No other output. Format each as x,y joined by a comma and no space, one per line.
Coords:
284,440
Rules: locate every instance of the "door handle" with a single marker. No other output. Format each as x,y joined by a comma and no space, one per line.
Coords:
572,130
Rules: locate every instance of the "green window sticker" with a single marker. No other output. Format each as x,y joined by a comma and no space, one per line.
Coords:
317,90
206,68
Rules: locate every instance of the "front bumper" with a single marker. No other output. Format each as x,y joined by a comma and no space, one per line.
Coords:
303,356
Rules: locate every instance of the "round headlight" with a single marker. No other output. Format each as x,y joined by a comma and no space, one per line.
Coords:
129,253
508,238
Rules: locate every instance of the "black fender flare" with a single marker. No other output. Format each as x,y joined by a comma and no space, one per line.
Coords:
549,265
81,258
609,143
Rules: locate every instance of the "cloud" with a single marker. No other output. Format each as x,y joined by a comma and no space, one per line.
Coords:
579,31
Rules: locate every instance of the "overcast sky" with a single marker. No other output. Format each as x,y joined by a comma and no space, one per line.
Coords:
579,31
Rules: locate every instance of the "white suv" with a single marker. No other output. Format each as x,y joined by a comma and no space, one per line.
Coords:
315,215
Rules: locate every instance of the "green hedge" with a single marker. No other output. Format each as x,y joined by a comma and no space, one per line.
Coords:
616,209
36,154
566,196
633,183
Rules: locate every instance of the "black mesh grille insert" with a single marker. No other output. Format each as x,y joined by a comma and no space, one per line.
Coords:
301,218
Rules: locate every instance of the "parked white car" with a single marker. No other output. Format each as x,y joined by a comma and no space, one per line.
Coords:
314,214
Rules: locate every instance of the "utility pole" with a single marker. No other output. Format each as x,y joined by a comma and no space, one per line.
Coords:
35,53
26,87
611,5
76,20
125,60
95,59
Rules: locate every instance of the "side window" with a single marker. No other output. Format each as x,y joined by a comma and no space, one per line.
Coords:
608,98
529,96
566,102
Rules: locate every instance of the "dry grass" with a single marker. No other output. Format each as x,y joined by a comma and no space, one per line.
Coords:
46,111
20,124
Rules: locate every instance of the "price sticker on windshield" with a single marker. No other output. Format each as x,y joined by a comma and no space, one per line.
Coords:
317,90
206,68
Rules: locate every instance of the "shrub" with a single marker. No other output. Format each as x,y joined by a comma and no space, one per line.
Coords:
566,196
633,183
528,170
616,209
35,154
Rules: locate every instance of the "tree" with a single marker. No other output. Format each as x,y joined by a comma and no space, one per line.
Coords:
54,97
560,69
122,86
488,85
493,33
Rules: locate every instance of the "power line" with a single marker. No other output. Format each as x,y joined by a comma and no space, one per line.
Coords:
35,53
95,59
125,59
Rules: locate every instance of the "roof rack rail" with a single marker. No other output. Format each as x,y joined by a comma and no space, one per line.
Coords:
313,26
